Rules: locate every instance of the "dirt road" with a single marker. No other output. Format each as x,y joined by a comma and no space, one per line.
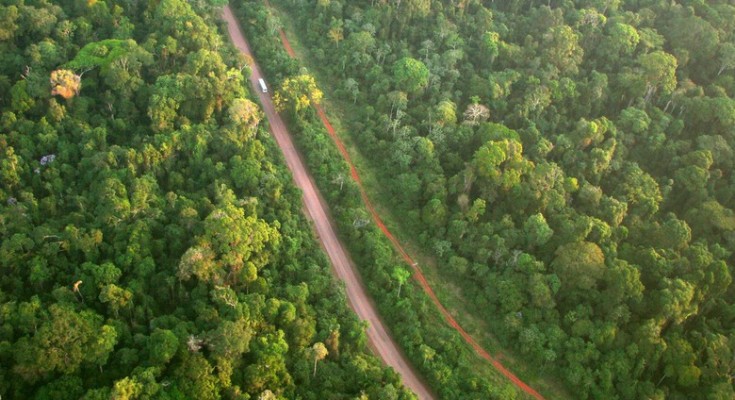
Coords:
418,275
343,266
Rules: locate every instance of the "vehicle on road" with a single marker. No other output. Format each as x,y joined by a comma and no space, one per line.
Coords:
263,87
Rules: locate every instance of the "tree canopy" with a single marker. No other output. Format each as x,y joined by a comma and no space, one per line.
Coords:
583,208
152,243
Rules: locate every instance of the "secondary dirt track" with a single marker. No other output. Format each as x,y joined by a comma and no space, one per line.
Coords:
417,273
343,266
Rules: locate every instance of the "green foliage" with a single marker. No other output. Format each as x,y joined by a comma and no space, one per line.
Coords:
297,94
151,242
588,223
163,345
401,276
537,230
64,340
658,71
104,53
410,74
579,265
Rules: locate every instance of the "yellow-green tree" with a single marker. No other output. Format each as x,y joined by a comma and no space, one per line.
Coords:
244,113
319,352
579,265
297,93
658,70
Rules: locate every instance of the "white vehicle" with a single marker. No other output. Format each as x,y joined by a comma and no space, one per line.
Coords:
262,85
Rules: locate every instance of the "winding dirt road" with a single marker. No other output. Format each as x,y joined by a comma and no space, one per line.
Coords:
380,340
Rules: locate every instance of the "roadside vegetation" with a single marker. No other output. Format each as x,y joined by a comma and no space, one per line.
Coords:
415,323
152,244
567,164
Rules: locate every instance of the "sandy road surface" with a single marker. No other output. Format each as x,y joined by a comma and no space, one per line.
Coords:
379,339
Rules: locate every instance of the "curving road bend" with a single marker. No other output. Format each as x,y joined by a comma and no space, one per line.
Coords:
379,339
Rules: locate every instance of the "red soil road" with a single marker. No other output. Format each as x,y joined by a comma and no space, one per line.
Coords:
380,340
418,275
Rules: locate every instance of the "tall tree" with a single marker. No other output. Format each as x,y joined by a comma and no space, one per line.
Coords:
410,75
318,352
401,276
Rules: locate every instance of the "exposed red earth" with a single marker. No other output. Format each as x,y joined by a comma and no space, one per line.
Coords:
286,44
418,275
380,341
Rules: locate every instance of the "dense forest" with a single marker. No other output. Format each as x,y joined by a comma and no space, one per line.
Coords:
567,163
152,242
